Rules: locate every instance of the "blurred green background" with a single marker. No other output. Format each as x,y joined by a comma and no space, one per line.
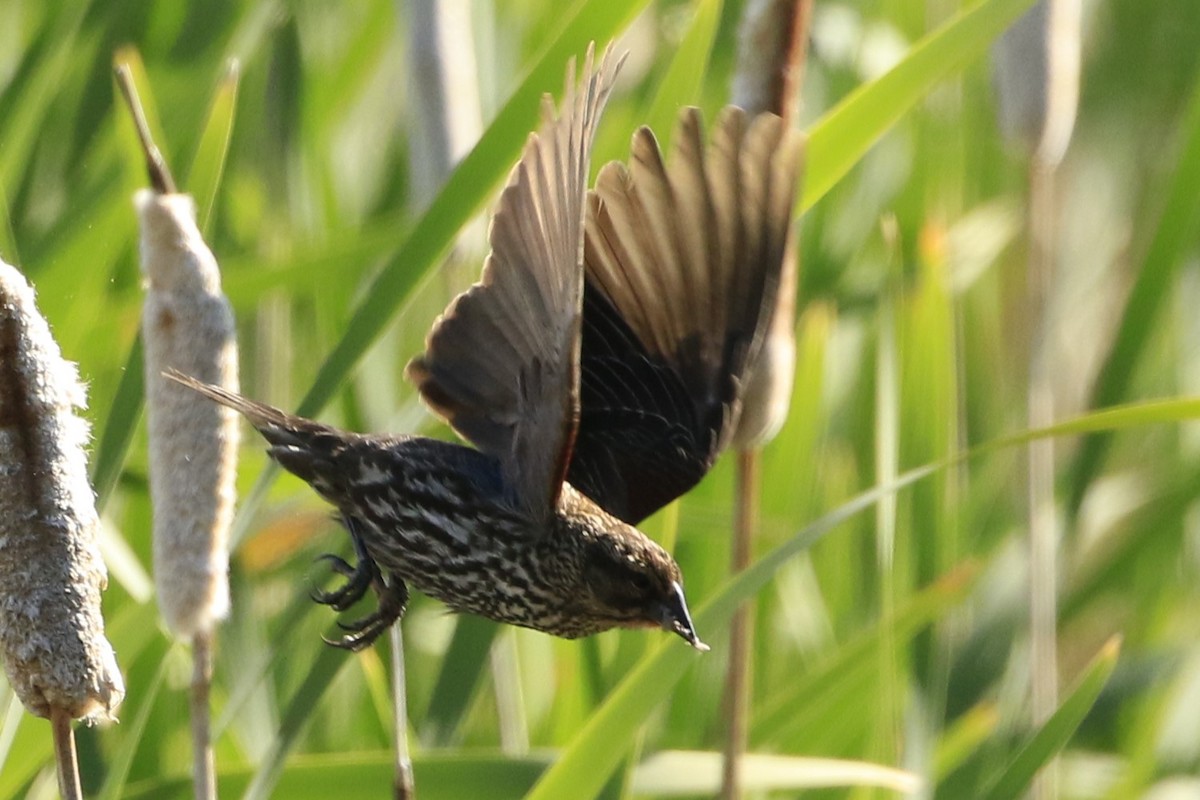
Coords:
895,637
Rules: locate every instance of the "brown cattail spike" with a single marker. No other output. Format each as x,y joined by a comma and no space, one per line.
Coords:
51,574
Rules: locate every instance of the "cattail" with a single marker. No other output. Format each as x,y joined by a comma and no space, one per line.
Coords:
771,51
187,325
1036,72
51,574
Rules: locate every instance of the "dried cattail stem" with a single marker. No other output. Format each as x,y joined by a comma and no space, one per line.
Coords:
187,325
771,49
156,166
69,787
51,574
202,752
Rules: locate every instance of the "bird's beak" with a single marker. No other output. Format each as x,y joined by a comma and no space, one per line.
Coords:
675,618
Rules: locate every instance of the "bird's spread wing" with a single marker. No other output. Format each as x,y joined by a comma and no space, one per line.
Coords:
682,264
502,363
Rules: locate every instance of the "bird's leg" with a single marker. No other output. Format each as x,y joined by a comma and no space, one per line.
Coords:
360,576
393,598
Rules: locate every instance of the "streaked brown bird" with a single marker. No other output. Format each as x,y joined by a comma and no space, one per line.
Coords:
591,401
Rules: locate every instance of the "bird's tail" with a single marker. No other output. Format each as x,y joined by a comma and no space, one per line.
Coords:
277,427
305,448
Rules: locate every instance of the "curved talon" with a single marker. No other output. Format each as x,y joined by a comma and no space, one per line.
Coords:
339,565
337,600
351,643
361,624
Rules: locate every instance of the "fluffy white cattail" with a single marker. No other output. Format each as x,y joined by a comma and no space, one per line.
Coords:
51,573
187,325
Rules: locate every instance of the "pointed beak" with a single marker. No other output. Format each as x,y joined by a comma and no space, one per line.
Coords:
676,619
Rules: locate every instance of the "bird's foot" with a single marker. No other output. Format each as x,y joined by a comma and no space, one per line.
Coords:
360,576
359,579
361,633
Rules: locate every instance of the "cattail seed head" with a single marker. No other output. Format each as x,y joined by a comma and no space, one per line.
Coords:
770,59
187,325
51,573
1036,73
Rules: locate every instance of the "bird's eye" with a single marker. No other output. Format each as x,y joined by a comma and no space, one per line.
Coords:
640,583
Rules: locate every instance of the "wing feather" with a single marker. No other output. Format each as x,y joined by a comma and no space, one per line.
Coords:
682,262
501,364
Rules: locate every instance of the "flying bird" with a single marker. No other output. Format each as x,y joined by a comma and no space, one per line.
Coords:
596,367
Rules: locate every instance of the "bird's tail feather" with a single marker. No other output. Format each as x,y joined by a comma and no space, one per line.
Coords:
277,427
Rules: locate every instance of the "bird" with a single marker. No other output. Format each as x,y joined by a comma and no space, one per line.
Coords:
595,368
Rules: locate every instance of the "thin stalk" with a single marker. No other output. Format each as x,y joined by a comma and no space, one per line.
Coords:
1043,532
770,68
204,770
887,468
65,756
402,787
737,682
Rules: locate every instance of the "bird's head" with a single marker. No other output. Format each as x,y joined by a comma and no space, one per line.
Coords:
634,583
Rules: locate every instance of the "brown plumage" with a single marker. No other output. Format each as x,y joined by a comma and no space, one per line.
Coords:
591,401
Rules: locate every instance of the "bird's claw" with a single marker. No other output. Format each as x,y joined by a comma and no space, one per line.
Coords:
358,579
361,633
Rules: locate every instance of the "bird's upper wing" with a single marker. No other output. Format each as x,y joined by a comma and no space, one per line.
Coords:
682,263
501,364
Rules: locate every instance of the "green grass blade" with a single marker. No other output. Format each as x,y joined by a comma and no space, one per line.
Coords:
437,777
684,78
8,239
1132,415
299,711
1053,736
791,710
841,137
204,179
119,426
463,666
24,123
140,708
677,773
1174,236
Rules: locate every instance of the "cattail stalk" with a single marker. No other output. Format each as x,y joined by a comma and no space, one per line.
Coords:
1037,78
771,52
52,642
187,325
